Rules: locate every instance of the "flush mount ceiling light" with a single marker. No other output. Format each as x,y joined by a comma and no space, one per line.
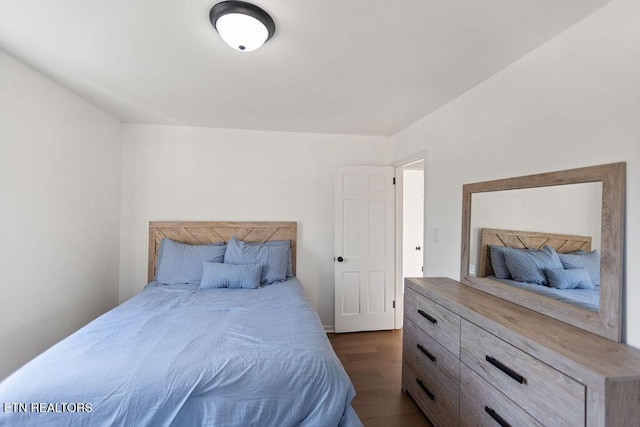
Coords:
243,26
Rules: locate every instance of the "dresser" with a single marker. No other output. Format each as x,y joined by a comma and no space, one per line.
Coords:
472,359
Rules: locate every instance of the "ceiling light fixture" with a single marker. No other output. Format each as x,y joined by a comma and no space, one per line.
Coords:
243,26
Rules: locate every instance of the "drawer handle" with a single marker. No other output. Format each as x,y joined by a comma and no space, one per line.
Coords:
425,389
513,374
426,353
493,414
426,316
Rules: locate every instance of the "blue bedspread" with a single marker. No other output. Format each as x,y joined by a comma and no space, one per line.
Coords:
174,355
583,298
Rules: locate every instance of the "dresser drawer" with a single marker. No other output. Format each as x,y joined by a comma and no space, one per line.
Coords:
440,323
481,405
432,396
549,396
435,366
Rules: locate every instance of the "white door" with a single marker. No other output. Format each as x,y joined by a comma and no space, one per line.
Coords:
364,248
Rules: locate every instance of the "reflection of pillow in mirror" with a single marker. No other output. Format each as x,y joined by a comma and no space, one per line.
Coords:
588,260
574,278
498,263
529,266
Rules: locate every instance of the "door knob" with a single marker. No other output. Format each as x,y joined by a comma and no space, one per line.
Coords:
339,259
418,248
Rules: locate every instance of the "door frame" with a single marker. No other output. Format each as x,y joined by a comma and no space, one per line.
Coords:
399,279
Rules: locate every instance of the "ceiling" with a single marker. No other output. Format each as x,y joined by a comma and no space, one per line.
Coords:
365,67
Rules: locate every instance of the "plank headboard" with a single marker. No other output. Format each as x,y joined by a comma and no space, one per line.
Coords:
200,232
562,243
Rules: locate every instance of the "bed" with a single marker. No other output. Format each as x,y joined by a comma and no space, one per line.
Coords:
180,355
561,243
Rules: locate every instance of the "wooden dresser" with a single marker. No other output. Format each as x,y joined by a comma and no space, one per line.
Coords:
472,359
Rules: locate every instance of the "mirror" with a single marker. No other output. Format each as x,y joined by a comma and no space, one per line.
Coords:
578,209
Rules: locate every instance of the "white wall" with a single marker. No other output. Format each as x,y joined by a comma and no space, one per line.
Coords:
575,101
59,212
186,173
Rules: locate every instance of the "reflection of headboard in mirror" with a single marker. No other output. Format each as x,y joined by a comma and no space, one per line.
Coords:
562,243
606,322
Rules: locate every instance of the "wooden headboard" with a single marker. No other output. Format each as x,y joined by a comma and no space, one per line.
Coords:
195,233
562,243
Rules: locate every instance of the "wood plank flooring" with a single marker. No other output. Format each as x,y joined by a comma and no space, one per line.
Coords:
373,361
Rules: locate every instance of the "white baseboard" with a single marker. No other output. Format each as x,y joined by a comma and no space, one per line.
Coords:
329,329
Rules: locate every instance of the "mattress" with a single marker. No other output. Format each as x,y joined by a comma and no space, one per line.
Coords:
584,298
175,355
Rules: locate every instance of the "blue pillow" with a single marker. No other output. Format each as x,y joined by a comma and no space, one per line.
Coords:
219,275
182,263
587,260
273,259
498,262
574,278
286,243
529,266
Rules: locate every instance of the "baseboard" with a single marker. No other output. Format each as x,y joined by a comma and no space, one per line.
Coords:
329,329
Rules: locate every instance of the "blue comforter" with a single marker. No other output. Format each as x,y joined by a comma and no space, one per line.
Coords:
588,299
174,355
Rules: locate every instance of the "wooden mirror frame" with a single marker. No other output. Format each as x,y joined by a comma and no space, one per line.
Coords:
607,322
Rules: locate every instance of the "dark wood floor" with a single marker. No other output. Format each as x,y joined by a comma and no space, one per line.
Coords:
373,360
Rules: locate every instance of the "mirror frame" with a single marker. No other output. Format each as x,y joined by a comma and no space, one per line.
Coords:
607,322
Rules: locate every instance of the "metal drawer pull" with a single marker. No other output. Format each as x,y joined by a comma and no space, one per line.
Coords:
513,374
426,316
426,390
493,414
426,353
